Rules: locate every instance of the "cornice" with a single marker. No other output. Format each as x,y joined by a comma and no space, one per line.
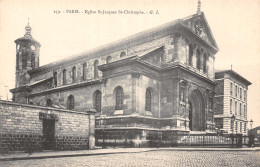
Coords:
67,87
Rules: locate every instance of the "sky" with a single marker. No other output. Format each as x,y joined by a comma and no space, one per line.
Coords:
235,25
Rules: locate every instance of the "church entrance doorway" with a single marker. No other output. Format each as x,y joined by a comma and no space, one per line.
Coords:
48,134
196,111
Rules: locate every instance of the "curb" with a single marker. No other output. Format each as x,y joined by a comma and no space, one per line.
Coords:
209,149
33,156
67,155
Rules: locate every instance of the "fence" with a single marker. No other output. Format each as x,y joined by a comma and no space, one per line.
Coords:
112,139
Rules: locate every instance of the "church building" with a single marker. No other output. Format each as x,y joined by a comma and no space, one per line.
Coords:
159,81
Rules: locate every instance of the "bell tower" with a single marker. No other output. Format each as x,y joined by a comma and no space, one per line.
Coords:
27,56
27,59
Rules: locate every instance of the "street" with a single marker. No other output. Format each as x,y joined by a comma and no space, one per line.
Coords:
151,158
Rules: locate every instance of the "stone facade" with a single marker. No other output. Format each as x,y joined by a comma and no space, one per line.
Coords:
231,100
158,80
26,127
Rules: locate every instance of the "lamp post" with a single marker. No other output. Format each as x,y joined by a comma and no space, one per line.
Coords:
251,136
233,118
251,124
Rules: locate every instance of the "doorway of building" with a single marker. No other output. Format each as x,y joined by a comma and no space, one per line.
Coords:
48,134
196,111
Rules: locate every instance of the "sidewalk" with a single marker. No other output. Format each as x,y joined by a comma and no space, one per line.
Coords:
57,154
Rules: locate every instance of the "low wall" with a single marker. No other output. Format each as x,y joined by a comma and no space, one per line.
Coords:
34,128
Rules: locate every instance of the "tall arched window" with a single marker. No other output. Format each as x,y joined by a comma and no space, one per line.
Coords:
17,60
96,68
24,61
49,103
109,59
97,100
190,54
73,74
119,98
70,102
148,100
64,77
33,61
205,63
84,73
198,59
122,54
55,78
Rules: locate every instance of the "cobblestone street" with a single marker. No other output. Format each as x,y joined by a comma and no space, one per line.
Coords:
151,158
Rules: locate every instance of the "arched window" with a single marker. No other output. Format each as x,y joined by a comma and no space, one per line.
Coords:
148,100
198,59
119,98
205,63
24,61
190,54
70,102
49,103
97,100
122,54
17,60
55,78
84,73
33,61
109,59
96,68
73,74
64,77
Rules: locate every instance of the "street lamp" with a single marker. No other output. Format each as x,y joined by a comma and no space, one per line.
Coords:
251,123
233,118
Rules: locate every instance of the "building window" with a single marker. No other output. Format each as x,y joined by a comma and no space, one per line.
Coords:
70,102
235,108
109,59
198,59
236,126
73,74
245,111
240,109
96,68
123,54
240,93
236,90
49,103
55,79
231,88
245,127
64,75
245,95
84,73
119,98
97,100
148,100
205,63
240,126
230,106
190,54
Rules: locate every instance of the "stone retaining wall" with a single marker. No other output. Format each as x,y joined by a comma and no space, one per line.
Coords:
21,128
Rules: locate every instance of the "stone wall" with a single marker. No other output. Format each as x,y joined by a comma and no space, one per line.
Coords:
21,128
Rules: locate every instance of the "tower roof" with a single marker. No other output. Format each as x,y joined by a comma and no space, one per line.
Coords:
27,36
28,30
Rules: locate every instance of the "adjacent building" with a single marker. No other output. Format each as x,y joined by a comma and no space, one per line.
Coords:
230,102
